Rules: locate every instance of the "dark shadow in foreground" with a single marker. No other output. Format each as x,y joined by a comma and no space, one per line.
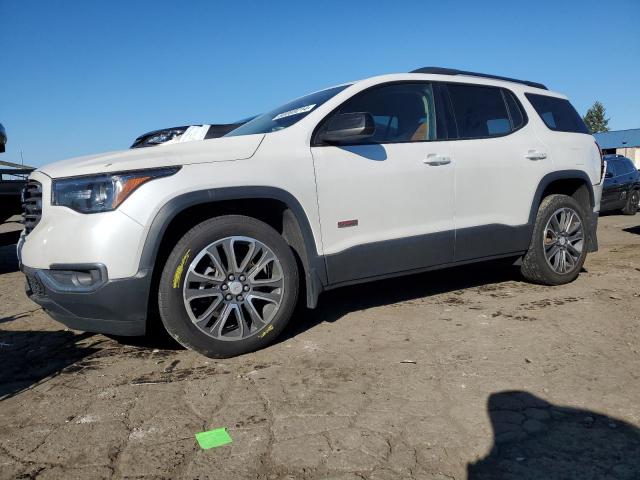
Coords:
28,357
534,439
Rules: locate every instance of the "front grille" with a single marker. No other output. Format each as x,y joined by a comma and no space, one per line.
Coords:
31,205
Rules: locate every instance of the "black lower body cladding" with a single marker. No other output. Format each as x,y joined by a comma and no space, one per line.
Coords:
100,305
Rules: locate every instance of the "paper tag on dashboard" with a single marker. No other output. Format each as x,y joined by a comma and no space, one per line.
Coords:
295,111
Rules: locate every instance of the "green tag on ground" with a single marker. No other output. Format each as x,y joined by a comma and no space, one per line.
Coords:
213,438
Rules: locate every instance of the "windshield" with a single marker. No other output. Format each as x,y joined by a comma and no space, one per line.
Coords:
286,115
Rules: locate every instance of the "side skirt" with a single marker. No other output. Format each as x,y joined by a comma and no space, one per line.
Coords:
422,270
420,253
389,256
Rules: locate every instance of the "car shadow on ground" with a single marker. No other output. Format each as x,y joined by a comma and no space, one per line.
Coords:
534,439
29,357
635,230
335,304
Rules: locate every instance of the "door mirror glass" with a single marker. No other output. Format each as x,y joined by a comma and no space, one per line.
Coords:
349,127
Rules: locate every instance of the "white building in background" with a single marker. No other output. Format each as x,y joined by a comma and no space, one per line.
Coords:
621,142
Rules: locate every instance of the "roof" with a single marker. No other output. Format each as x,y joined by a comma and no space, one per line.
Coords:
453,71
618,138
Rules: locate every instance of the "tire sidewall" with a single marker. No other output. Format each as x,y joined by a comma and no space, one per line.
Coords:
631,207
170,293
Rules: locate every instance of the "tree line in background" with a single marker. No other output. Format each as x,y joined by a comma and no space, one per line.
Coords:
596,119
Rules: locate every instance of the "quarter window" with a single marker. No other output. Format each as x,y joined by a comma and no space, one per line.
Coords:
479,111
401,112
557,113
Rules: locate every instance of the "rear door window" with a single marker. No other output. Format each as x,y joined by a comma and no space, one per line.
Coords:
557,113
480,111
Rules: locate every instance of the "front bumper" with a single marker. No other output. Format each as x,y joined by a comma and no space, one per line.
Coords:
83,298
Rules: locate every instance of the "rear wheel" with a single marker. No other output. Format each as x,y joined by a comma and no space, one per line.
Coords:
229,287
558,245
632,203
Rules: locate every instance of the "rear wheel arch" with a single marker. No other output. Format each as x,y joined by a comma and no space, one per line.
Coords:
272,205
573,183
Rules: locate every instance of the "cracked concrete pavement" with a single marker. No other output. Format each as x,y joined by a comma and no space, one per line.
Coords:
466,373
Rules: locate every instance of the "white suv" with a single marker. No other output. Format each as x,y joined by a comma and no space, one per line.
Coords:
390,175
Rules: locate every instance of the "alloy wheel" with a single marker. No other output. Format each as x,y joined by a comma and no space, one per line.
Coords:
233,288
563,240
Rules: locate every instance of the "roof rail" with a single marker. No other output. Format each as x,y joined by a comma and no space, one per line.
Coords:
453,71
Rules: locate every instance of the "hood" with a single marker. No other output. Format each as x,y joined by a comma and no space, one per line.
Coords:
213,150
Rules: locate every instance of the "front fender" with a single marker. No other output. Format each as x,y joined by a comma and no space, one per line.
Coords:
300,238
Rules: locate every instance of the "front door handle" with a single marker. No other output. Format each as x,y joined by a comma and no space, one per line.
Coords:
535,155
436,160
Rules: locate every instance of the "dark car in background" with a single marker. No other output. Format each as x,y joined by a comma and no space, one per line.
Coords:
186,133
621,189
13,178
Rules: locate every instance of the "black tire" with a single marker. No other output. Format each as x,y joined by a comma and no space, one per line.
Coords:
535,267
632,203
170,295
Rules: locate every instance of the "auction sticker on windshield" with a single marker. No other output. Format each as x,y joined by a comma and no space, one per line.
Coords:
295,111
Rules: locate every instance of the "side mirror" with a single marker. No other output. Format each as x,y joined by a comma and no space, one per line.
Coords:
608,175
348,127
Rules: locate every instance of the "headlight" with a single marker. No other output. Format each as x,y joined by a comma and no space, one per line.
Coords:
158,137
164,136
102,193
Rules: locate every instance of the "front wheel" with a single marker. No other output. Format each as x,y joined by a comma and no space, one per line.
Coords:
229,287
558,244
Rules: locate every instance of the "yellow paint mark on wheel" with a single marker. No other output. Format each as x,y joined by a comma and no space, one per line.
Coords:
178,275
266,331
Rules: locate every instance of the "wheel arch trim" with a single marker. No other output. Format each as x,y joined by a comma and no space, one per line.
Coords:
298,234
551,177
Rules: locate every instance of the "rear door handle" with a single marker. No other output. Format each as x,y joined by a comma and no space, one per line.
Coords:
535,155
436,160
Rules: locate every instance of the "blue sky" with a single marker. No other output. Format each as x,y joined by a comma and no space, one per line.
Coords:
79,77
